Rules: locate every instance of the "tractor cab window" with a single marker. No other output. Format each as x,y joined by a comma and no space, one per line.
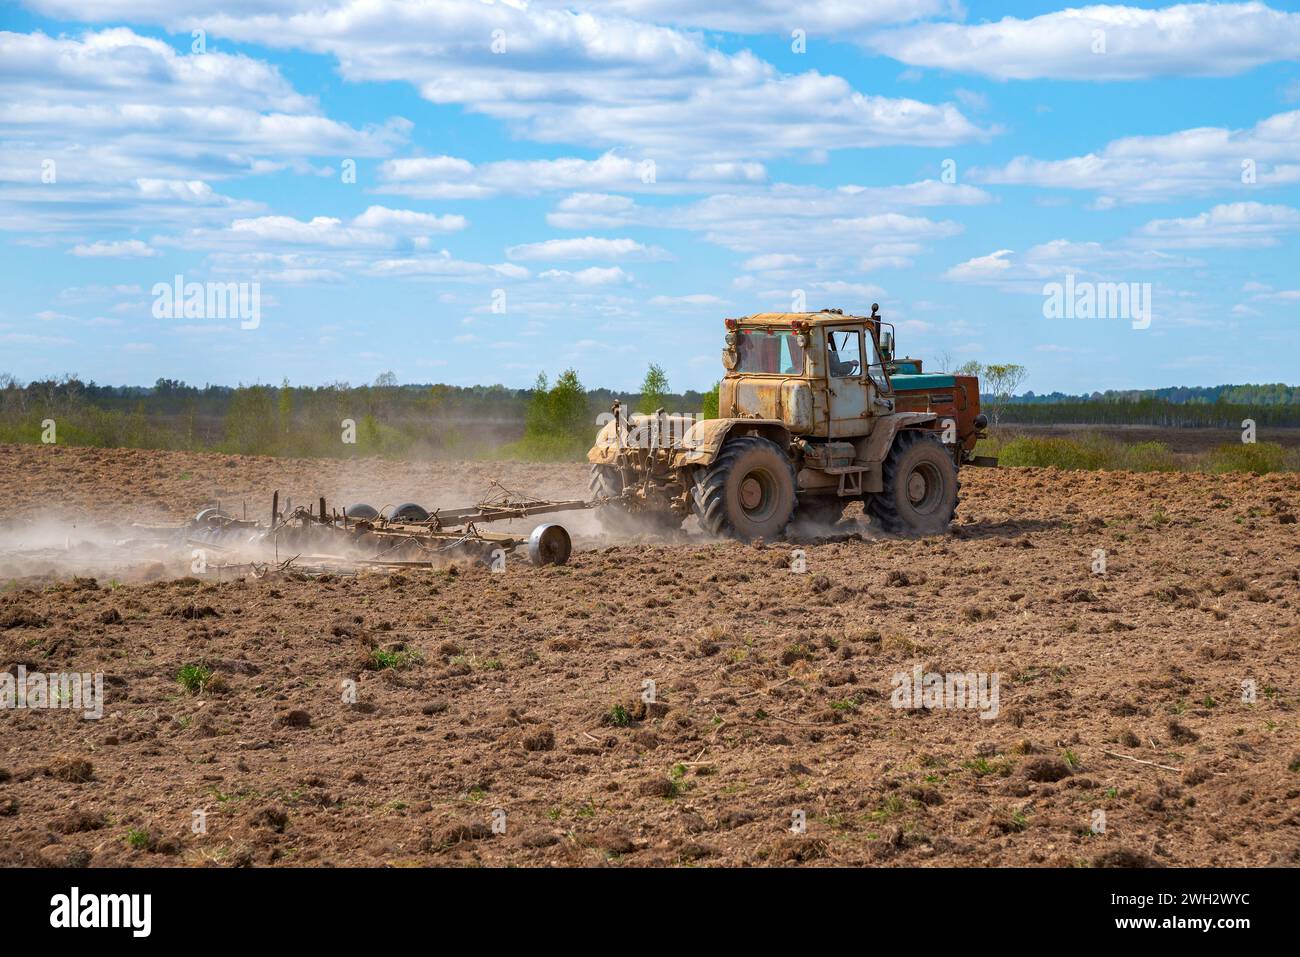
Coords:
844,352
876,368
768,353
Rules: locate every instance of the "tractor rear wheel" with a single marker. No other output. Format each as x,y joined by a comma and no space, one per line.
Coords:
748,492
606,482
920,487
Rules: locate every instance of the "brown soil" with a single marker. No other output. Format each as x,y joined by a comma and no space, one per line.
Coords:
1119,692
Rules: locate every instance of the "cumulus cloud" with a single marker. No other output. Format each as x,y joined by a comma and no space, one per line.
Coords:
981,268
444,266
1189,162
377,228
795,232
817,17
116,106
693,299
556,74
589,247
450,177
771,261
408,221
122,249
1104,42
1007,270
1224,226
592,276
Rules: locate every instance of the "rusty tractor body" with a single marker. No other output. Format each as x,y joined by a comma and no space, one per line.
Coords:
815,412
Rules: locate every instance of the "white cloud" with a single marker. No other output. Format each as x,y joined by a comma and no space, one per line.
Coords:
377,228
443,265
593,276
1059,257
771,261
562,75
1150,168
819,18
694,299
450,177
408,221
1228,225
115,106
1104,42
318,231
122,249
842,288
981,268
799,232
78,207
753,207
589,247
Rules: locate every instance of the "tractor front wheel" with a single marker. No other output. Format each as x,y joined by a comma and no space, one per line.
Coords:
920,489
748,492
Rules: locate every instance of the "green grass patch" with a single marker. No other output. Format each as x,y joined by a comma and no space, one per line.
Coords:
193,678
382,659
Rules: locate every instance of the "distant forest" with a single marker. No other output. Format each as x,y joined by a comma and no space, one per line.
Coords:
384,418
1275,394
1220,406
550,420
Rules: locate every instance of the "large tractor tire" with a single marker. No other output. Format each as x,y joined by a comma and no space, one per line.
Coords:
615,518
748,492
920,487
605,481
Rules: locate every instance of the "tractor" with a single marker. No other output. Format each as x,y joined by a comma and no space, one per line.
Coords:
815,412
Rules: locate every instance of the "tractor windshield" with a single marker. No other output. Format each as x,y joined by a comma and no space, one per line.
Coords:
769,353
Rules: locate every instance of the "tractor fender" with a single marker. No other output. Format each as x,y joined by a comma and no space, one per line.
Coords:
705,438
606,450
639,432
873,449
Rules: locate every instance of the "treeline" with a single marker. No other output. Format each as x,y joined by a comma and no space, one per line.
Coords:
1276,393
553,420
1148,411
431,420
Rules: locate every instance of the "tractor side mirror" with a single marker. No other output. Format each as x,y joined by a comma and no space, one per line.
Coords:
887,344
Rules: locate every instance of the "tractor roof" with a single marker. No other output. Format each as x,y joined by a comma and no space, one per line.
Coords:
784,318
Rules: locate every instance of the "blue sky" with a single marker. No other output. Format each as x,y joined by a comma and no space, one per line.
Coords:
946,161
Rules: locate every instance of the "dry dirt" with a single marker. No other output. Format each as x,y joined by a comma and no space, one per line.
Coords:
1119,692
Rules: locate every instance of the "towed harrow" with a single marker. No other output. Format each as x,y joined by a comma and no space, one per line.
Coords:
405,535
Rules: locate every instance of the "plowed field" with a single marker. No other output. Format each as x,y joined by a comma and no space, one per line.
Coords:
659,702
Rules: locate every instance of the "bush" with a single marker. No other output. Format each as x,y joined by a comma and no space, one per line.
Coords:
709,402
654,390
1146,457
1044,453
558,425
1257,457
250,423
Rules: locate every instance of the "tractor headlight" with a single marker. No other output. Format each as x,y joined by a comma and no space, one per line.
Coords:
981,421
